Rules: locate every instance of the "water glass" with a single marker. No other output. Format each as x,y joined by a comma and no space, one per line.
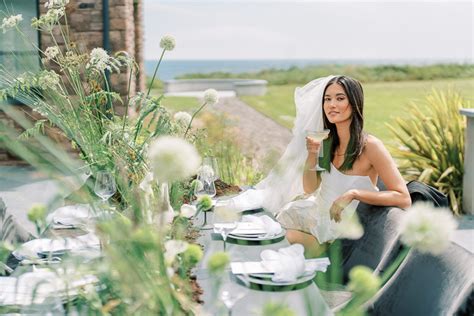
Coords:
104,185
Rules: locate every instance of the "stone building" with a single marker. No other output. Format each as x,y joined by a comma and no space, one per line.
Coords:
115,25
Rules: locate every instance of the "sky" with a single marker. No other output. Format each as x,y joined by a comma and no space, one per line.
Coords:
286,29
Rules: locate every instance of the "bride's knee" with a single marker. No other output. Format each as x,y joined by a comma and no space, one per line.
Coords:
292,236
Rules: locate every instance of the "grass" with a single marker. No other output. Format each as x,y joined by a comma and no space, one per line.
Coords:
383,102
175,104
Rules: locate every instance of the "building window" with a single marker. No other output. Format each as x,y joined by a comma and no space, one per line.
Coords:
19,54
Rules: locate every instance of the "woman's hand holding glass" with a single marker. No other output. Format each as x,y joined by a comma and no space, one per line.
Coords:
314,144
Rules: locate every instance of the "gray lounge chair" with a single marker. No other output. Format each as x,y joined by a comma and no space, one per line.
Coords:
428,285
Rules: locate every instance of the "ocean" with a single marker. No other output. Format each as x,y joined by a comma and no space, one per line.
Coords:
170,69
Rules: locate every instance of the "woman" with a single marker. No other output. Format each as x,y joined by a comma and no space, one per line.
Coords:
354,161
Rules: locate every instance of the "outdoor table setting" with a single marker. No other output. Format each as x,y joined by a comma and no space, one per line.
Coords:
264,267
36,281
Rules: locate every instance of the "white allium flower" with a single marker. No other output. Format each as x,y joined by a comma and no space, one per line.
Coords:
168,42
188,210
173,158
11,22
99,59
48,79
173,248
53,15
182,118
350,227
51,52
427,229
56,4
211,96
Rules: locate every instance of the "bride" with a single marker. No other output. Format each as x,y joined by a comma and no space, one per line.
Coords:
353,161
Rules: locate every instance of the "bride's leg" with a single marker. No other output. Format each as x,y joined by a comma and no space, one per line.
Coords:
312,248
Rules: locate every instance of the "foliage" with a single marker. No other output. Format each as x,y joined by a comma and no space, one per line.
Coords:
296,75
432,144
383,102
220,142
72,92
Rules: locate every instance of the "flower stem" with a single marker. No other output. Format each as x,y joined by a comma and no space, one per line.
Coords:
128,99
154,74
395,264
192,118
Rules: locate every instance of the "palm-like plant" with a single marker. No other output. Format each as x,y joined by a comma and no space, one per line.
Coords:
432,144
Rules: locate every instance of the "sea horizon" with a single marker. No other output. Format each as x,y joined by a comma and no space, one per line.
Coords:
172,68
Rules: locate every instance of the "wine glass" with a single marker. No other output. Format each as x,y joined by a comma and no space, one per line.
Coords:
204,186
226,219
230,294
212,163
104,185
318,136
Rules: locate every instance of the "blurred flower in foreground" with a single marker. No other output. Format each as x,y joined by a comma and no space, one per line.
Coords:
56,4
167,42
173,159
218,262
188,210
173,248
363,282
192,255
204,203
350,227
427,229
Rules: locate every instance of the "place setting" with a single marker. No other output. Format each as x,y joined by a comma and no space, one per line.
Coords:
234,227
285,269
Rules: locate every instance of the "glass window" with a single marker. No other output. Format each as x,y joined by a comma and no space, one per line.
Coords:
18,53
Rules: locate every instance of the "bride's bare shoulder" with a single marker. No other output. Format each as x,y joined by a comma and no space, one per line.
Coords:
374,147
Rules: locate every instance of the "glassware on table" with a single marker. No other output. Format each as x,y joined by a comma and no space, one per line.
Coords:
318,136
212,163
227,218
230,294
205,186
104,185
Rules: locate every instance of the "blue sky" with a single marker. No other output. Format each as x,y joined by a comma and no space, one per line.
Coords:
266,29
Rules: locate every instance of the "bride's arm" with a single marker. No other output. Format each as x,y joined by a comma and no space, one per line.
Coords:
311,179
396,193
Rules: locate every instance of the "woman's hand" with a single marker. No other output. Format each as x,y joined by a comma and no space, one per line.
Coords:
340,204
312,145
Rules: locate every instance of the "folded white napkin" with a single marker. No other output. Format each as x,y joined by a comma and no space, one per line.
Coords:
248,200
286,264
41,284
271,227
70,215
30,249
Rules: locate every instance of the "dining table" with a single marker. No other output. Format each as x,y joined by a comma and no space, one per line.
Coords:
23,187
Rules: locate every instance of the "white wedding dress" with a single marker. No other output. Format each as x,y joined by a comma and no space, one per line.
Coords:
311,215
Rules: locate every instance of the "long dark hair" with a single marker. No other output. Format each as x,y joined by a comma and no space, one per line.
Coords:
355,94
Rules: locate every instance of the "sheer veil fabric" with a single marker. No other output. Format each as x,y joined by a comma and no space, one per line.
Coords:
285,181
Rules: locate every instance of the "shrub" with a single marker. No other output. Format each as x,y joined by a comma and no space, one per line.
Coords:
432,144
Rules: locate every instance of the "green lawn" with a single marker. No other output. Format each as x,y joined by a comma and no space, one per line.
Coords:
175,104
383,101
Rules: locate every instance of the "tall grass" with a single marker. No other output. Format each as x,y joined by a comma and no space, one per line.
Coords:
234,167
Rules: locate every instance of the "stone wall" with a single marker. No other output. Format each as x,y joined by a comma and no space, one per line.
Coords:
85,21
125,33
